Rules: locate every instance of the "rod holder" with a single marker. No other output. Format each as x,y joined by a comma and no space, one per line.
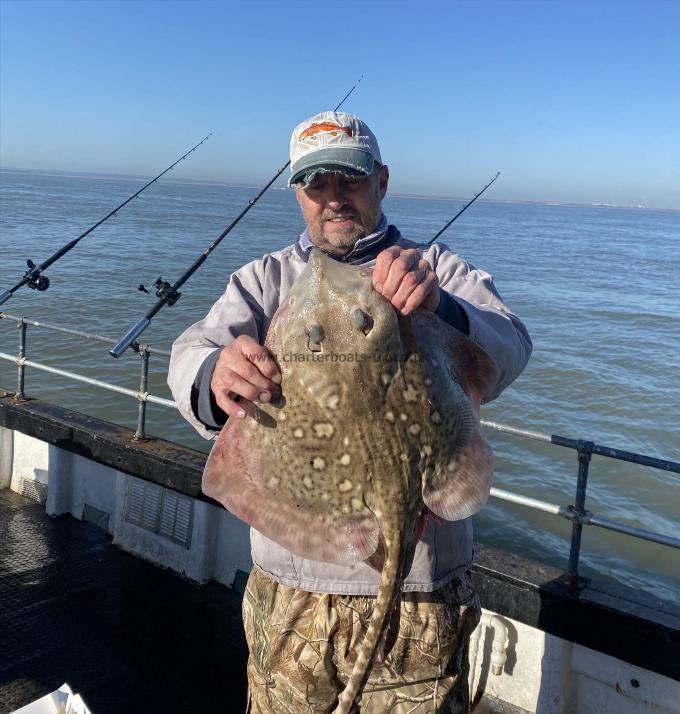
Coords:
130,336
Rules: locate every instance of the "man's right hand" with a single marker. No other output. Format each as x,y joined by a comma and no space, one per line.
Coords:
244,369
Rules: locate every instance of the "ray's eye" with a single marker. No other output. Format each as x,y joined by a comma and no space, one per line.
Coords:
362,320
316,334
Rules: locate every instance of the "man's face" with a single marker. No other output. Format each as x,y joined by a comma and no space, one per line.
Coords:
339,210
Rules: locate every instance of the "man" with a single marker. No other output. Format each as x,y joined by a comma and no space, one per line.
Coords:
304,620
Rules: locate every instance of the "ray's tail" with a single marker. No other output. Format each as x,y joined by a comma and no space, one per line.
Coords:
389,594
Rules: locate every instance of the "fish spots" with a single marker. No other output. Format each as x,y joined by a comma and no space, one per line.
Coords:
273,482
308,483
333,401
403,417
426,450
345,459
318,463
356,504
345,486
385,378
323,430
410,394
428,382
403,456
414,429
282,416
345,441
298,433
389,415
436,417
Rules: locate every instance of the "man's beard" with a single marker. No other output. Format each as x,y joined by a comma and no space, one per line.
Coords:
340,241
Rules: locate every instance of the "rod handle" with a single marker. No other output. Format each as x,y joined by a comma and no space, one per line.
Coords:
130,336
5,296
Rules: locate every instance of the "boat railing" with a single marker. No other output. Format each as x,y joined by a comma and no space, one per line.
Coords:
576,512
144,351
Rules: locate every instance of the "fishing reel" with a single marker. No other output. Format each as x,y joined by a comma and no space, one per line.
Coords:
34,280
164,291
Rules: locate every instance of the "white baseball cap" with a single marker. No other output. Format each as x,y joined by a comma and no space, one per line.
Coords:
331,141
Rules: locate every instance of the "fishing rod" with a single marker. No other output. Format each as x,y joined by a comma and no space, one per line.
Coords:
169,294
469,203
33,277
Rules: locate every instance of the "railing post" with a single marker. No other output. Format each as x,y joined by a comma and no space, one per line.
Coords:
143,381
585,452
21,367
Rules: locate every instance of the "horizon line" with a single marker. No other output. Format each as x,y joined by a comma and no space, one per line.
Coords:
211,182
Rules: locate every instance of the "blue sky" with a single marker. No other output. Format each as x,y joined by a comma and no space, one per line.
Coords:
575,101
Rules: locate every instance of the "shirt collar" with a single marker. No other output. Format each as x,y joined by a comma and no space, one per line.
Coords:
360,247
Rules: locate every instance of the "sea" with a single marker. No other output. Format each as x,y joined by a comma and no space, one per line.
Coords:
597,287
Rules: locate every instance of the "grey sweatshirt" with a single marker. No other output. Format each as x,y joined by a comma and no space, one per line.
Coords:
469,302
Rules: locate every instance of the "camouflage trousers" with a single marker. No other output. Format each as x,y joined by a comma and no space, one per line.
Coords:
303,645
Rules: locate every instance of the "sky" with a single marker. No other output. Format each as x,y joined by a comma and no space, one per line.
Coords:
571,101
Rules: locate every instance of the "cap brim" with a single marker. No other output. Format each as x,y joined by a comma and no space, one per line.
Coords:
351,161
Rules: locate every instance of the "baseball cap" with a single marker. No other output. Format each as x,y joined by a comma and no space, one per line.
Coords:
331,141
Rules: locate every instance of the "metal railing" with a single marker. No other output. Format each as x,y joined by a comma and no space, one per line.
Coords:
576,513
141,395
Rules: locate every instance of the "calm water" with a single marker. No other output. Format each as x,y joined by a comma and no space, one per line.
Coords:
598,289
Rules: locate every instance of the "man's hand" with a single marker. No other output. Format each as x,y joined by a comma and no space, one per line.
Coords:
244,369
406,280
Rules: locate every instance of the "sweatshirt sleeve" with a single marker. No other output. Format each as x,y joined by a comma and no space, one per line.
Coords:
491,324
238,312
450,311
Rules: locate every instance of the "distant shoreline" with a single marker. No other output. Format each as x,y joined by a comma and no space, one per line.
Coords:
206,182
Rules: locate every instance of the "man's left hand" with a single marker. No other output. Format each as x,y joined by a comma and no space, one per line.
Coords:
406,279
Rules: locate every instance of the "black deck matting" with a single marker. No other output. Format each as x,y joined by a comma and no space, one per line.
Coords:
125,634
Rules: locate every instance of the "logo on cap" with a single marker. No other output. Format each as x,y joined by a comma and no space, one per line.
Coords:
326,127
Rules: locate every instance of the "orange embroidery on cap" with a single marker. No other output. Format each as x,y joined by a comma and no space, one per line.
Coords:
324,126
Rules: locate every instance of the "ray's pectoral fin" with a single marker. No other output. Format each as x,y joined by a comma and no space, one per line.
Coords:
459,487
288,508
476,371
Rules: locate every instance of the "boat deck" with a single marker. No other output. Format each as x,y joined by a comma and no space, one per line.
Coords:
125,634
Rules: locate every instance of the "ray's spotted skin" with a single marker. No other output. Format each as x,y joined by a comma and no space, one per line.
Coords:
377,426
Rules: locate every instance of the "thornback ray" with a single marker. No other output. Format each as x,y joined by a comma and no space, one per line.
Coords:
377,423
